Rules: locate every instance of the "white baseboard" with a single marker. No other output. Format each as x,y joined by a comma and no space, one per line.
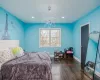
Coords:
77,59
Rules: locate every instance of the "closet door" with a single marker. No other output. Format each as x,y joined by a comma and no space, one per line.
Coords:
84,43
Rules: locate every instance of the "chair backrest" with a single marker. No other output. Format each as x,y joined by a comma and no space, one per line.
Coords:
70,48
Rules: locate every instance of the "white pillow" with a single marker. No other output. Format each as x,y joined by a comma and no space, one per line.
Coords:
17,51
5,55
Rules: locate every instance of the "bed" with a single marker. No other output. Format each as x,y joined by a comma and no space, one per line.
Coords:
31,66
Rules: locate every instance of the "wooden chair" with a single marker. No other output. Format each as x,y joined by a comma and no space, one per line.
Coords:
58,55
69,52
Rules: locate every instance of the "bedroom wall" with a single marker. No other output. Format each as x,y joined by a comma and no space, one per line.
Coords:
94,19
15,27
32,37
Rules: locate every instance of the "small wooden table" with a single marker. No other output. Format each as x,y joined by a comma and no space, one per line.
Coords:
58,55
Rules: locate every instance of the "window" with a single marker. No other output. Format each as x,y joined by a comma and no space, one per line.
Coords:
50,37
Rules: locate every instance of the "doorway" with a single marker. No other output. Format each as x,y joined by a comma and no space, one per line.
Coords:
84,43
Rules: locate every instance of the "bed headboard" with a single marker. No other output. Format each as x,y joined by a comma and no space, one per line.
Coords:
8,44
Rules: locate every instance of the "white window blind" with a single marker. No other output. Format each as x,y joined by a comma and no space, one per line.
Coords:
50,37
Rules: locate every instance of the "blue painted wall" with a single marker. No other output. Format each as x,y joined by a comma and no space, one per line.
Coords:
32,37
91,51
94,19
15,27
28,34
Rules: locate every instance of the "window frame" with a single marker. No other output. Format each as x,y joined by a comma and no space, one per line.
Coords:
49,35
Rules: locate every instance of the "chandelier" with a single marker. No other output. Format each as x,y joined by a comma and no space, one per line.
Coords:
49,23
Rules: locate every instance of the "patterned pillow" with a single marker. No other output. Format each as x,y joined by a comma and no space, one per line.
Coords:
5,55
18,51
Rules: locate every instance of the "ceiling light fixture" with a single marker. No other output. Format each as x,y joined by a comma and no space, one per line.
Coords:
49,23
33,17
62,17
49,8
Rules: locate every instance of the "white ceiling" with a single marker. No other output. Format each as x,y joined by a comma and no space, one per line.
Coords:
70,9
0,3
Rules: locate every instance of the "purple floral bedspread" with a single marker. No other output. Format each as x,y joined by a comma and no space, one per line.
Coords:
32,66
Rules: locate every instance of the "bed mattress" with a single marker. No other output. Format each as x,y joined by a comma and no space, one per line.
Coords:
32,66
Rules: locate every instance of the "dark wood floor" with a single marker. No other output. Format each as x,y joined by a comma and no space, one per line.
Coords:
67,70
